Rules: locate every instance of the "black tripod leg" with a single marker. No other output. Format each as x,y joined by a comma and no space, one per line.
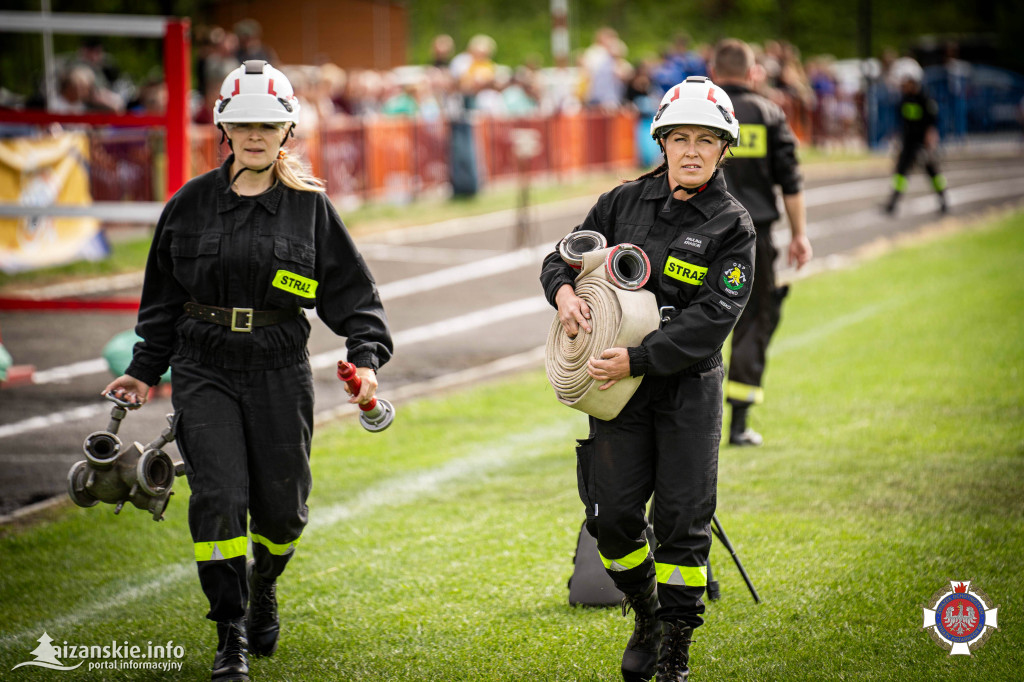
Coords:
713,590
716,527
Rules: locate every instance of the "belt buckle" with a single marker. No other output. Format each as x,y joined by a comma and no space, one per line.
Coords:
247,325
666,310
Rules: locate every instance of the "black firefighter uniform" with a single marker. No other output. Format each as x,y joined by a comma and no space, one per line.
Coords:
765,157
242,384
665,441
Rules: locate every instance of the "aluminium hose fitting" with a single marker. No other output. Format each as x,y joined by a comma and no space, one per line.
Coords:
112,473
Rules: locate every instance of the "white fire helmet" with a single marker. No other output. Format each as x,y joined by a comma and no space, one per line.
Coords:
256,92
697,101
906,69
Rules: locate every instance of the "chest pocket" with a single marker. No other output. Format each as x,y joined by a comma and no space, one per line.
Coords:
631,233
686,267
292,275
196,259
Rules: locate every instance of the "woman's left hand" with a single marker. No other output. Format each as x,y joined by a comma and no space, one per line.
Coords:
610,367
367,385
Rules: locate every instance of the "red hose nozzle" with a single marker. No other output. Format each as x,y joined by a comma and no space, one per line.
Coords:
377,414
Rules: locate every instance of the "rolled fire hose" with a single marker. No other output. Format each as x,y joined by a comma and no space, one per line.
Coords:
621,315
575,244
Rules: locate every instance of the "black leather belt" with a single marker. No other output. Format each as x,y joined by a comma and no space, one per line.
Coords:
239,319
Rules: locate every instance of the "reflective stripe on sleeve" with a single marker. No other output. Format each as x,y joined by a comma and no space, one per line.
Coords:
275,548
221,549
631,560
687,576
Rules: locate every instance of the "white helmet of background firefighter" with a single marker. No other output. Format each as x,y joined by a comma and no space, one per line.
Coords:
696,101
256,92
906,69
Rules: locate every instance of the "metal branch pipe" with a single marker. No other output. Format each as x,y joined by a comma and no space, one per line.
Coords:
621,315
140,474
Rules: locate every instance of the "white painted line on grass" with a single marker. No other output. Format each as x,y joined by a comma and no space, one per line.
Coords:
395,491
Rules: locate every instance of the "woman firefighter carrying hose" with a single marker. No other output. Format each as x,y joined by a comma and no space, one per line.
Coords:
664,442
237,254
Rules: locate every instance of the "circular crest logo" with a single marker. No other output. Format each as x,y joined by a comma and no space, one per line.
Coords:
734,277
960,618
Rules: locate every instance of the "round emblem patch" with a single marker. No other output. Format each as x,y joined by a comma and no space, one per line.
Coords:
735,276
960,617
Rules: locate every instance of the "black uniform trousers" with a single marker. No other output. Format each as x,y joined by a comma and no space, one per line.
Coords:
664,442
757,324
912,152
245,439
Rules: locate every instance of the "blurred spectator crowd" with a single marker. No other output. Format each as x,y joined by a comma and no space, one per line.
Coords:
825,99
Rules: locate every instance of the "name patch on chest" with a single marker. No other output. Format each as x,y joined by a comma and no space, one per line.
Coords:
685,272
295,284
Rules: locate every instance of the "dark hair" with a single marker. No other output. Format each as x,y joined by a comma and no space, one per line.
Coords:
660,170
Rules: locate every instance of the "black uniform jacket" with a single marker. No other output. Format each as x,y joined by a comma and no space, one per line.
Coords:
918,113
281,249
764,157
702,264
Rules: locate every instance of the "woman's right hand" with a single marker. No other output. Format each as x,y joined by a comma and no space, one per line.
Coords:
128,389
573,311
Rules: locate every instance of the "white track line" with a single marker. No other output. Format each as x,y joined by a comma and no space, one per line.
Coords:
527,257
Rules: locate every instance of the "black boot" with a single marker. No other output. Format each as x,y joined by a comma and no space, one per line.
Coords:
739,432
943,204
231,661
674,652
261,620
890,206
641,654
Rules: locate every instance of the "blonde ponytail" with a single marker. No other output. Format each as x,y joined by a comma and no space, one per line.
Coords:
294,173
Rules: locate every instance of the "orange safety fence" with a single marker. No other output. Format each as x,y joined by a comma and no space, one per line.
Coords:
379,158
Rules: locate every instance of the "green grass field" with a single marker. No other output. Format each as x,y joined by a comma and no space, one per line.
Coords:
440,549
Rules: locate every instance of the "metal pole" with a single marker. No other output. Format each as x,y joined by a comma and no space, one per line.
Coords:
720,532
50,75
560,32
177,75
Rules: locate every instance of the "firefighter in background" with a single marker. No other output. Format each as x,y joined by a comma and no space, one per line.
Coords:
919,138
700,243
764,158
237,254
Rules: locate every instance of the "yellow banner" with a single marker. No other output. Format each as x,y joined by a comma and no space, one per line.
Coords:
47,171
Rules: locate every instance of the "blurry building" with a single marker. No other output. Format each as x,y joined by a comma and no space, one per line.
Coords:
371,34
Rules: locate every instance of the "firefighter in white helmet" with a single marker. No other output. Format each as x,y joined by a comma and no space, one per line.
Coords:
700,242
238,253
919,134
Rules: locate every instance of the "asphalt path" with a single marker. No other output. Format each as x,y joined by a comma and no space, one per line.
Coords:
463,300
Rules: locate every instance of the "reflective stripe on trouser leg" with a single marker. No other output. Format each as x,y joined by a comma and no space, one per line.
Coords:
899,182
219,550
744,393
683,576
277,549
939,182
630,561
